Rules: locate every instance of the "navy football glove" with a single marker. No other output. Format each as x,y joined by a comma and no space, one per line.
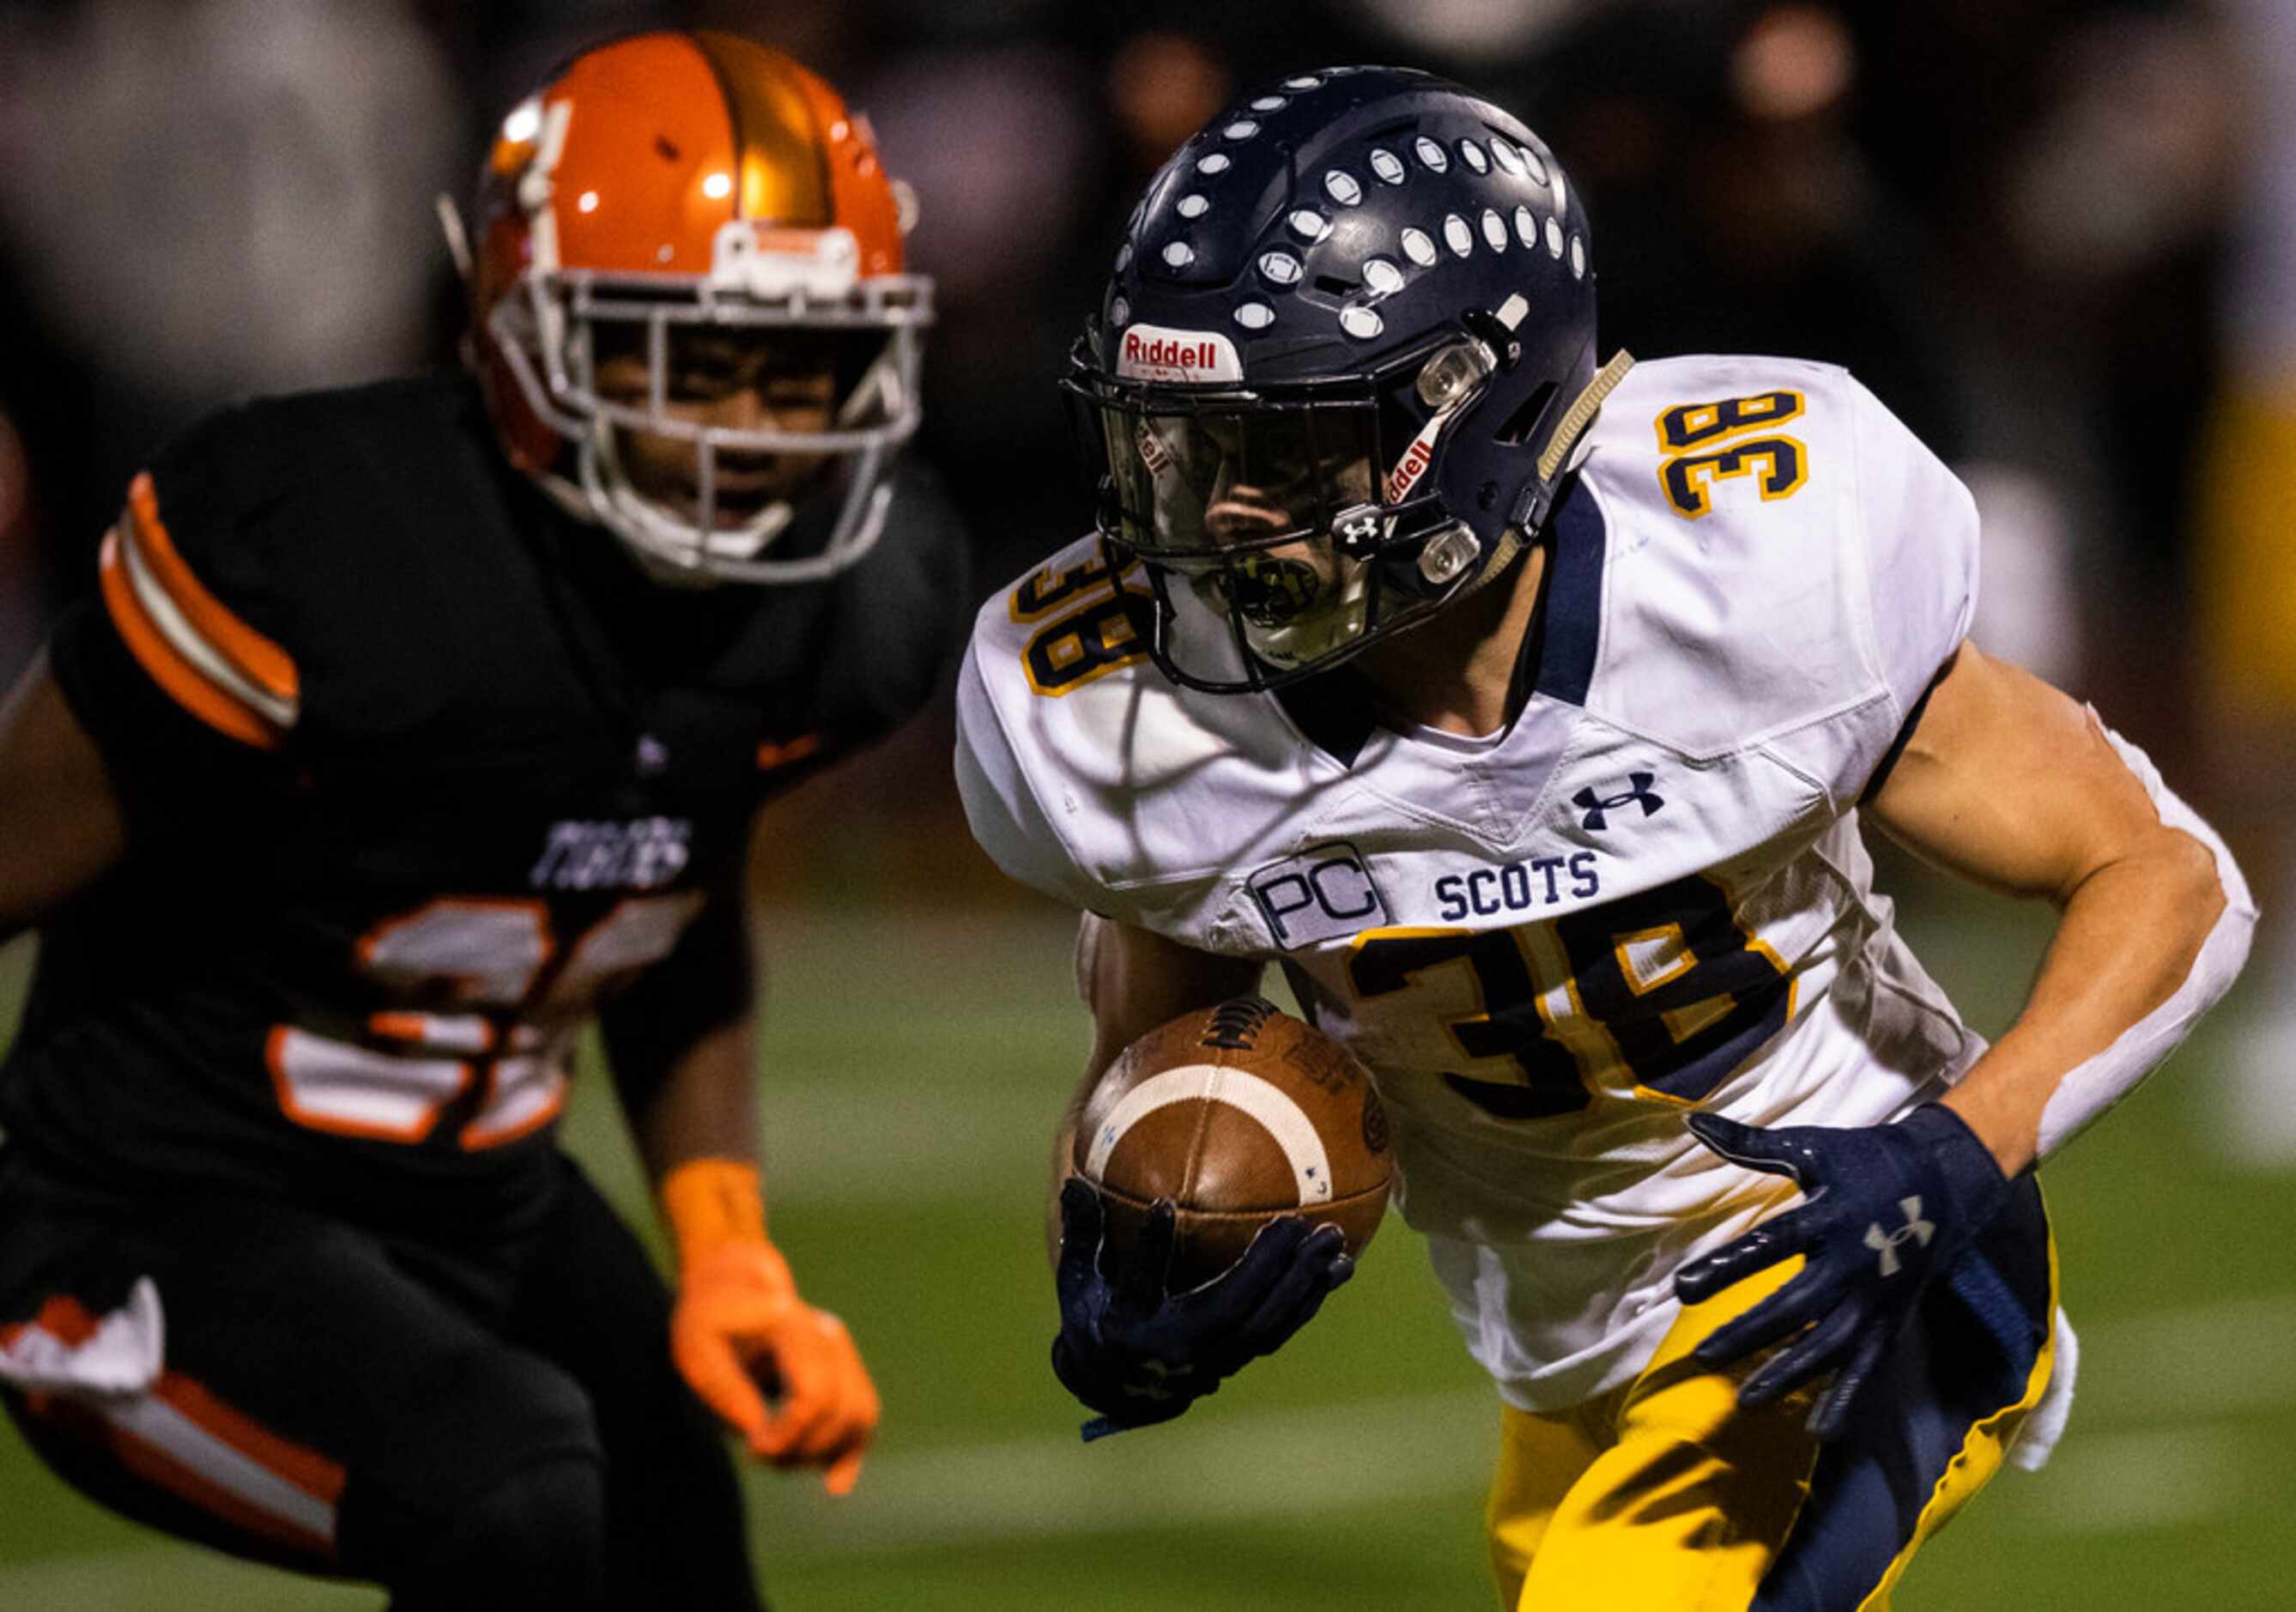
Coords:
1889,1208
1138,1354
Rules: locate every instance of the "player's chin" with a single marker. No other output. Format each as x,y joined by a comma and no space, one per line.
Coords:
742,501
732,510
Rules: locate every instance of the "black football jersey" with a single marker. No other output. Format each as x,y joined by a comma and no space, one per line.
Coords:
420,769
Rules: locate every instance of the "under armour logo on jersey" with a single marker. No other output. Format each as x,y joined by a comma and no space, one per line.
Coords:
1597,809
1887,1243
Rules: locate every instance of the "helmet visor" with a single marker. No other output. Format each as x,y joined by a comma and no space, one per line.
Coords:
1208,481
1233,504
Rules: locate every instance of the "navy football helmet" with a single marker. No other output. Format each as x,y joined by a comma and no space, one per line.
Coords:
1346,321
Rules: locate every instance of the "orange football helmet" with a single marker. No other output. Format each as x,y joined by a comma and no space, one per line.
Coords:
670,184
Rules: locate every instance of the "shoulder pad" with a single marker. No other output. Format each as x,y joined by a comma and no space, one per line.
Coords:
362,532
1085,772
1787,564
898,617
194,602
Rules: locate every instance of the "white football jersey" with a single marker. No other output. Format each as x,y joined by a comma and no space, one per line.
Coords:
1646,895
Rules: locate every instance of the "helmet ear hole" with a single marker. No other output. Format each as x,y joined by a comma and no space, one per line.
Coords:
1520,426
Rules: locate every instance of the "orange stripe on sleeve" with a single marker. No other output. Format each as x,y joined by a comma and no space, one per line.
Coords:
183,682
254,656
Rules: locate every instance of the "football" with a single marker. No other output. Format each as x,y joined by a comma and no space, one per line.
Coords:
1236,1114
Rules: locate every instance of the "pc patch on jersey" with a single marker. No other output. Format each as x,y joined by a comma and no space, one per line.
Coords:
1321,894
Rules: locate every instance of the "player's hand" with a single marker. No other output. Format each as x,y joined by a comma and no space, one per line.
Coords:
1889,1207
1139,1355
740,1332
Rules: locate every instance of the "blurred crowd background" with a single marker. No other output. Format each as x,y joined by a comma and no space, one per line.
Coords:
2058,237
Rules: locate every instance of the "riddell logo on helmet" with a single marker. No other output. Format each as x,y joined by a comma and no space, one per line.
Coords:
1413,464
1151,452
1152,353
1168,355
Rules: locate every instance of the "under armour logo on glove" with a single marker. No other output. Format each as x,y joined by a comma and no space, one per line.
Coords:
1596,807
1885,1243
1841,1312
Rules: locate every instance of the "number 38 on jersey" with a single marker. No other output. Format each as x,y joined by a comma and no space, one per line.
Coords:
1709,442
1657,996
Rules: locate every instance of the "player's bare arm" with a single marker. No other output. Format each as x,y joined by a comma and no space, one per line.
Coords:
782,1374
2008,783
64,825
705,1105
1133,980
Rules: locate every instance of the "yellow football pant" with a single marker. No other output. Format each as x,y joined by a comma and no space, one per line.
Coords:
1662,1496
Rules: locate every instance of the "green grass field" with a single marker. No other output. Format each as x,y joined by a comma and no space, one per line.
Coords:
912,1066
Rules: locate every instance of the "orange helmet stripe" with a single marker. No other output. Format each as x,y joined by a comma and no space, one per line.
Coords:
861,195
782,168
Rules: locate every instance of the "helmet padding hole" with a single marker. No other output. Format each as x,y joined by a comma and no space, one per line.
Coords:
1519,427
